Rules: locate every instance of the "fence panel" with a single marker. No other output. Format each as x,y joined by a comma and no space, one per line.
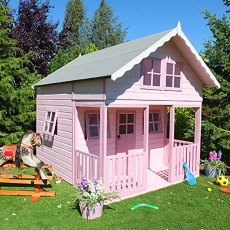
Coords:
124,172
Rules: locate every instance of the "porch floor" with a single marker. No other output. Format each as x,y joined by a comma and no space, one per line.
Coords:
157,180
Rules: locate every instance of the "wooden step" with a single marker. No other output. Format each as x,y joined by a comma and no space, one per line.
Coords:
34,195
22,181
21,176
11,165
26,193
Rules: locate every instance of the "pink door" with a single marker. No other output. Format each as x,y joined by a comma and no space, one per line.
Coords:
125,131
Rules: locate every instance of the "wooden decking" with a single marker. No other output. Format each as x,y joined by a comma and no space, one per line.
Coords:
157,180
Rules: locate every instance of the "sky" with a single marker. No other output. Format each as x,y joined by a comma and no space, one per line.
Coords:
146,17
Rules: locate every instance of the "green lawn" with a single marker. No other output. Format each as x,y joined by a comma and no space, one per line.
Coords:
180,207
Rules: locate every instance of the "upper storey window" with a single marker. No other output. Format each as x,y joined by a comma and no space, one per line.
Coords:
173,75
163,74
151,72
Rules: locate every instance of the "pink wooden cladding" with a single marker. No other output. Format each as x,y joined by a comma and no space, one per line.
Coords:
184,153
87,165
124,173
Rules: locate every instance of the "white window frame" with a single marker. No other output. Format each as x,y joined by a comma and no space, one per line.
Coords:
126,113
173,75
153,122
163,75
88,125
152,72
50,119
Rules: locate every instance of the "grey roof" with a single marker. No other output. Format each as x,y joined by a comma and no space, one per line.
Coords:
101,63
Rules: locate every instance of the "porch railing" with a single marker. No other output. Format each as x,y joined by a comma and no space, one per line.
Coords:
181,143
126,173
184,152
87,165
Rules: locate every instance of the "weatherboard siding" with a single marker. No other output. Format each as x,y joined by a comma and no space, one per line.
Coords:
129,87
157,149
59,151
91,90
156,140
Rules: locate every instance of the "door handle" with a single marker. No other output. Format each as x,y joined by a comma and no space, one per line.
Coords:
119,137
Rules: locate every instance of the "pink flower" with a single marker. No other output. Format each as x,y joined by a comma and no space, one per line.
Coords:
212,156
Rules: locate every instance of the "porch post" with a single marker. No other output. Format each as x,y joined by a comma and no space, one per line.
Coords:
171,144
146,145
197,134
75,169
197,137
103,140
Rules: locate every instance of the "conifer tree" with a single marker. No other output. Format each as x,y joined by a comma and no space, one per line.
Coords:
80,37
34,32
106,31
73,32
17,107
216,106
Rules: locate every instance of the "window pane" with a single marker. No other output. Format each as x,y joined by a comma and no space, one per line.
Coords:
46,126
178,69
156,66
147,79
169,81
155,116
156,80
156,127
177,82
51,127
130,129
48,116
151,127
130,118
147,65
93,119
122,118
150,117
169,68
52,116
122,129
93,131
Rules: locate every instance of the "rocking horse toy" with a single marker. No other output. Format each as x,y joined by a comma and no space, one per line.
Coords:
23,151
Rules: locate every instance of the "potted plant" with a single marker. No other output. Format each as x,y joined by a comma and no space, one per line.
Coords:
213,166
91,196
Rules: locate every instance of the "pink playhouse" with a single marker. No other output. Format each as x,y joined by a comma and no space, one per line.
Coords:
111,113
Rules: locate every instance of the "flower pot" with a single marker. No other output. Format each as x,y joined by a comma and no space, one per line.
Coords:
209,172
91,214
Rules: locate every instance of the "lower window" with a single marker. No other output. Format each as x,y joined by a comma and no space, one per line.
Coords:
155,122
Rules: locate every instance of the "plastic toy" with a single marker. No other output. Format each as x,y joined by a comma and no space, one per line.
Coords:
225,190
222,181
144,205
189,176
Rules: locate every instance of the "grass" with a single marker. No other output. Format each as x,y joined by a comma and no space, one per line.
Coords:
180,207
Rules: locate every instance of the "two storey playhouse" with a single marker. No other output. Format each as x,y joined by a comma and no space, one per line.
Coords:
111,113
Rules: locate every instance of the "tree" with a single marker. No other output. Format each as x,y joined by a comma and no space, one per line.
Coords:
216,106
63,57
106,31
76,38
34,32
73,39
17,107
73,32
